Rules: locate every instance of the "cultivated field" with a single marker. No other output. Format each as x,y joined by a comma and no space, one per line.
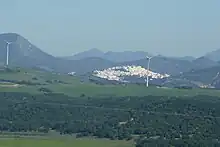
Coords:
25,142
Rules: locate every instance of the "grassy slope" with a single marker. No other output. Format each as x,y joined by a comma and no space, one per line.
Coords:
63,143
74,87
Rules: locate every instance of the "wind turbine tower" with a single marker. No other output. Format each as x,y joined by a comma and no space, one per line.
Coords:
7,54
148,68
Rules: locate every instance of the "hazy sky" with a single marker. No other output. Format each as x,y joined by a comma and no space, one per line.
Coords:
63,27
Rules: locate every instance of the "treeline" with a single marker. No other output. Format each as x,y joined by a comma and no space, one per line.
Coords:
150,120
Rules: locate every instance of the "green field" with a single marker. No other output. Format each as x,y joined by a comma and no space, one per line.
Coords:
72,86
117,112
24,142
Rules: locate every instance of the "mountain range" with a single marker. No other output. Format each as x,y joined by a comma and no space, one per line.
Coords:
23,53
213,55
111,56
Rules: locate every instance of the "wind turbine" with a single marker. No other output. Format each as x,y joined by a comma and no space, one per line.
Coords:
148,68
7,54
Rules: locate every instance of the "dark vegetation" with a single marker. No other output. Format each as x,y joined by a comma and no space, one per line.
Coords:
150,121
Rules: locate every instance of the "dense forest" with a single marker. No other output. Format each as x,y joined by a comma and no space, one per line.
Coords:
150,121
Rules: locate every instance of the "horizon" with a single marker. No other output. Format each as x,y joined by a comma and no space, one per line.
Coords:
106,51
176,28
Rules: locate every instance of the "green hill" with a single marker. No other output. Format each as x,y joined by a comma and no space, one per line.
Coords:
25,54
39,82
207,76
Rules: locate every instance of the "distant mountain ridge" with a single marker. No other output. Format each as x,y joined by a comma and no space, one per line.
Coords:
86,54
213,55
117,57
204,62
25,54
173,66
188,58
207,76
161,64
20,49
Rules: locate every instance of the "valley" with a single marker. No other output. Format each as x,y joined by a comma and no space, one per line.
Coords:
95,101
117,73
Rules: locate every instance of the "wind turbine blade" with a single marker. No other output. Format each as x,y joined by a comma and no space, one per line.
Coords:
149,57
7,42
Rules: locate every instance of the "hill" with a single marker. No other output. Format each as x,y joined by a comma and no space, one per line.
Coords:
129,74
204,62
172,66
138,74
206,77
213,55
89,64
86,54
188,58
24,54
39,82
163,64
110,55
125,56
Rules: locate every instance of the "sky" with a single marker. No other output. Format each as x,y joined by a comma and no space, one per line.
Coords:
167,27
